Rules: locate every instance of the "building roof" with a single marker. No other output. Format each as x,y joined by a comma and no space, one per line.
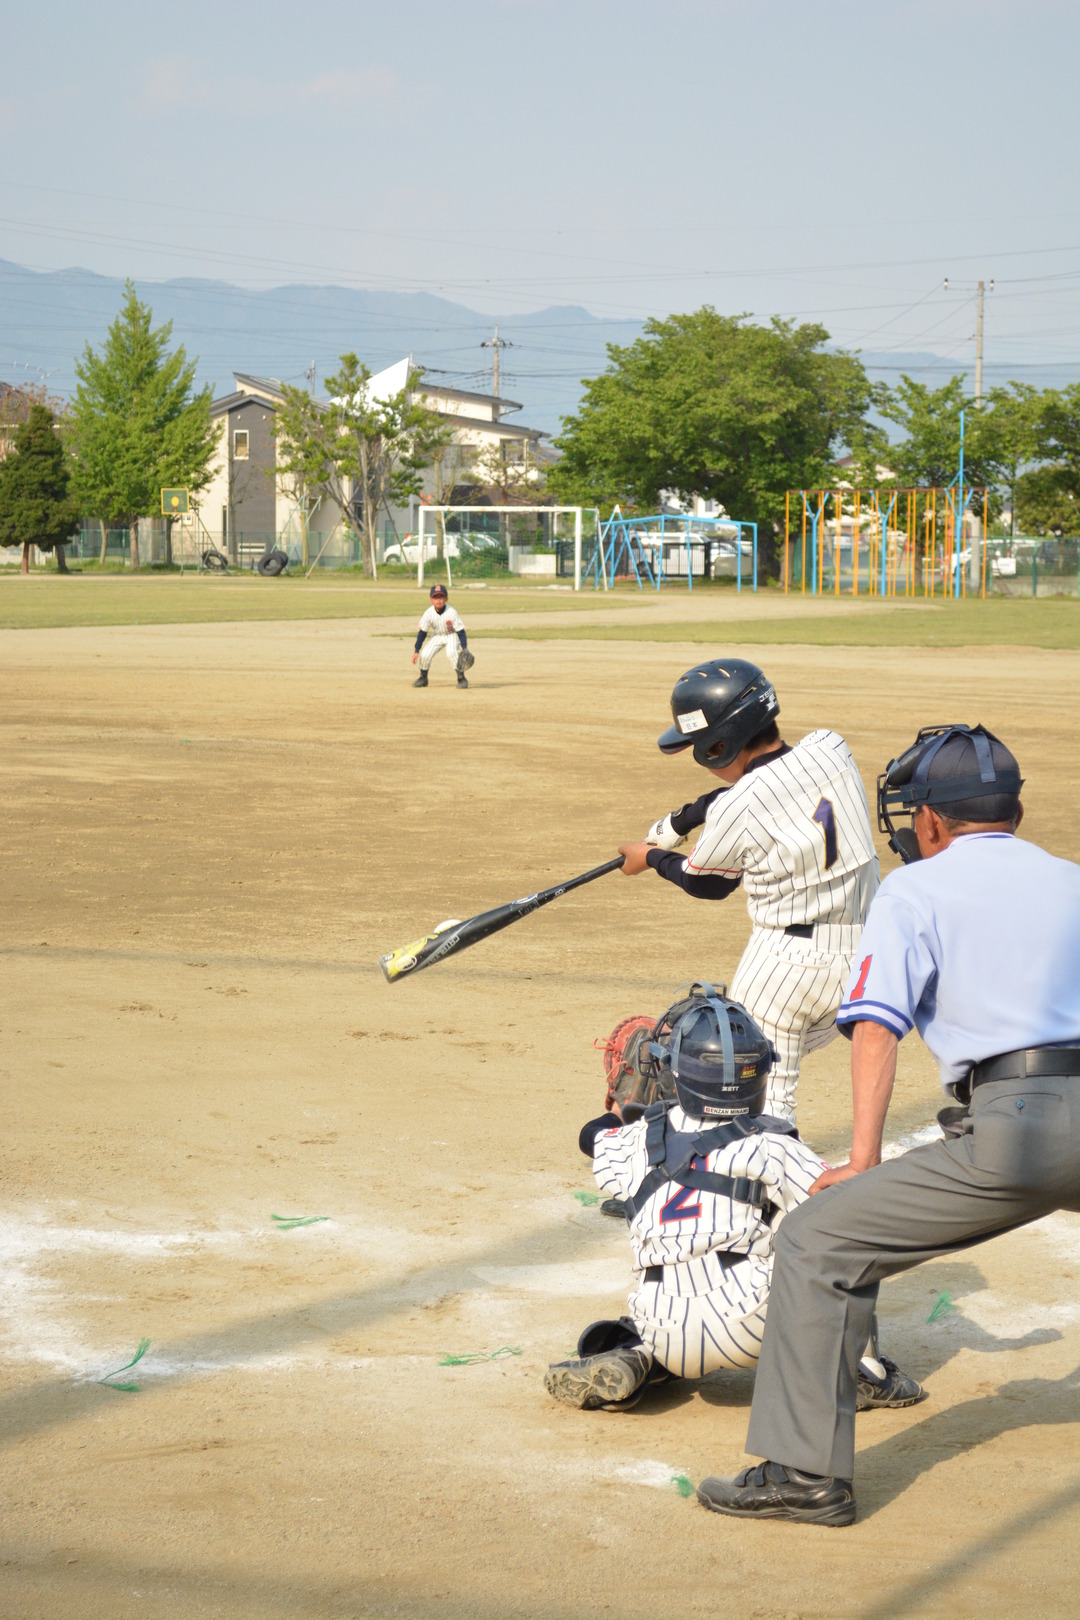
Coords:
262,385
236,401
465,393
504,430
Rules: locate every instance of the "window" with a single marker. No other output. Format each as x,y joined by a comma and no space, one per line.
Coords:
513,451
240,444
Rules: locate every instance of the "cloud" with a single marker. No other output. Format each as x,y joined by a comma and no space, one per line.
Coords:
348,87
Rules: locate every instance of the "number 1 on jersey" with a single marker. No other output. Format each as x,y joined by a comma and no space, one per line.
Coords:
825,817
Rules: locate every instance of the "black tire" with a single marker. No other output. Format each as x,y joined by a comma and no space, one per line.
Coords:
272,563
215,561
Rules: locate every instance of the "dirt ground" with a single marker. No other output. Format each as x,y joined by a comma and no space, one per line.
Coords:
210,833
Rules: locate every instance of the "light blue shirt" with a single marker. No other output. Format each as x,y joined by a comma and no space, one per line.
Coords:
978,948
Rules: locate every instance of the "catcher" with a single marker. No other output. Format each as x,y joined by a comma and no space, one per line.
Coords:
705,1179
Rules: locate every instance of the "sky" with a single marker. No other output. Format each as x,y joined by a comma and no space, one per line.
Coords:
830,160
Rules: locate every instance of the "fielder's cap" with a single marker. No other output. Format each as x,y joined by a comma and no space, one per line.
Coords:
437,590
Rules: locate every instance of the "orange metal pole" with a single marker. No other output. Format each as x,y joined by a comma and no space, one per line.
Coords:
838,517
933,541
855,545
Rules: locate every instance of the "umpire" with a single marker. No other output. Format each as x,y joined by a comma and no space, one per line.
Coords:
974,942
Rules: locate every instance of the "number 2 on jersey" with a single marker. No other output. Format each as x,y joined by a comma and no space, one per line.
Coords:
825,817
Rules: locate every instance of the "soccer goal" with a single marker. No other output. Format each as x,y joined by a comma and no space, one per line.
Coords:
535,541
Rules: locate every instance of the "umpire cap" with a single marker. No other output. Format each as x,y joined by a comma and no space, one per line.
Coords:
960,771
717,708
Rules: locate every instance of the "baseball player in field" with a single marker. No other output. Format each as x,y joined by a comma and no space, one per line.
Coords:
440,626
792,825
705,1178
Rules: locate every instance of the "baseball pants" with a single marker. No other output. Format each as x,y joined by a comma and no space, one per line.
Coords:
692,1334
1018,1159
434,645
792,987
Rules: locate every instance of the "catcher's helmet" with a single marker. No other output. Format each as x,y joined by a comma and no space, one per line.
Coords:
718,708
961,771
717,1056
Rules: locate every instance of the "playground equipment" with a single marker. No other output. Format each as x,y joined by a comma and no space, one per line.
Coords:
665,545
886,542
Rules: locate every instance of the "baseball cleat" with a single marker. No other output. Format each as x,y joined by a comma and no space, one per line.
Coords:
614,1378
771,1491
421,679
895,1389
614,1207
462,681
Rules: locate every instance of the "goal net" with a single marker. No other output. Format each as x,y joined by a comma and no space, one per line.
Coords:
527,541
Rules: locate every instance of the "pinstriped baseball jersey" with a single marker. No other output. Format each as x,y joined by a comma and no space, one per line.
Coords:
448,622
684,1226
797,831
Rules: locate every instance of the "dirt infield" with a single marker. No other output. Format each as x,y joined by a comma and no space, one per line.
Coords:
210,833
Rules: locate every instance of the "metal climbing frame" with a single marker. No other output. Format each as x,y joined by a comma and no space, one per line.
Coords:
639,547
885,542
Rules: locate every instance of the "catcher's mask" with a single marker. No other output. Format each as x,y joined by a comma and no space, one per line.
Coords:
717,708
961,771
718,1057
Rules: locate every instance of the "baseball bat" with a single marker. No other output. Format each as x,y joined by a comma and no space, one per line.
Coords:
450,937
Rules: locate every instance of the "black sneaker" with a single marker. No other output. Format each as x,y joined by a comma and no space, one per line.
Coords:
421,679
771,1491
614,1379
895,1389
462,681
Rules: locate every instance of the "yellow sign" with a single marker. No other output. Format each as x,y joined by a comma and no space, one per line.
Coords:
174,502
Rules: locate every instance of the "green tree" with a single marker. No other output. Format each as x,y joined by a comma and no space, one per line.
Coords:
716,406
137,425
1049,495
928,453
36,506
1008,439
360,454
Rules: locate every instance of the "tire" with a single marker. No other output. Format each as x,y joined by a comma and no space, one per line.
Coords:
272,563
215,561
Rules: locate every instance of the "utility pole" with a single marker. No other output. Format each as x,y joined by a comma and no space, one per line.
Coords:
496,343
310,375
980,297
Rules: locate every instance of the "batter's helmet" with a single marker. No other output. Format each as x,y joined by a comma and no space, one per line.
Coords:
718,1057
961,771
718,708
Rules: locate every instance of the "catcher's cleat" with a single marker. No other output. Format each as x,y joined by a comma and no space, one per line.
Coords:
895,1389
614,1380
421,679
614,1207
771,1491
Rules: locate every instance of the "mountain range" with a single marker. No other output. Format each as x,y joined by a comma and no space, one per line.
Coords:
47,317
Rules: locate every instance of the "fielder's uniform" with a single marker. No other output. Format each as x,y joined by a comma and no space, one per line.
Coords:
703,1258
976,948
441,629
795,832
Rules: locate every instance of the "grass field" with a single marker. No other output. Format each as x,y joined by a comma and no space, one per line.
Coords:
210,831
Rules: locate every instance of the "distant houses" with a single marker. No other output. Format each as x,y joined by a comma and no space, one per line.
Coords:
246,509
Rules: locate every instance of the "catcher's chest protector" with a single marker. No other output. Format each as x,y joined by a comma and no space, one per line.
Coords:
672,1154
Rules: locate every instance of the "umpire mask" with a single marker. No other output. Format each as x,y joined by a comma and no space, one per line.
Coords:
960,771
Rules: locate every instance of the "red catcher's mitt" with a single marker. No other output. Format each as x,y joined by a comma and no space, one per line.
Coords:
627,1068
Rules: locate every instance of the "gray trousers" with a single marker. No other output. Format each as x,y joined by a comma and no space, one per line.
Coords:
1018,1159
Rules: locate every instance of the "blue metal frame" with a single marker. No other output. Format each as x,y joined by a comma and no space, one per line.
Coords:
622,536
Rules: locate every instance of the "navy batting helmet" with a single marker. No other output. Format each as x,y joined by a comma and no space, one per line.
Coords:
718,707
961,771
718,1057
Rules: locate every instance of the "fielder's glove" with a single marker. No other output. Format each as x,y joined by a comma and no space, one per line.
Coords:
663,835
465,660
634,1079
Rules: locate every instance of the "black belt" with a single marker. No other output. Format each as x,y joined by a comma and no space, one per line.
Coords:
1026,1065
654,1274
800,930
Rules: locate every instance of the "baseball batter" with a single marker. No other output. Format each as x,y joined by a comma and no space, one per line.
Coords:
705,1178
793,828
441,627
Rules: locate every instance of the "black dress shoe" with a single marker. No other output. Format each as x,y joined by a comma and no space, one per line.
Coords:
771,1491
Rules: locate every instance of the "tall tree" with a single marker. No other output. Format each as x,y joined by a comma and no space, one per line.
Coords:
1050,494
36,505
138,426
716,406
928,452
359,453
1008,439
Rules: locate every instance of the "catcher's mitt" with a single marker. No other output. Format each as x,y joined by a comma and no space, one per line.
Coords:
465,660
634,1079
